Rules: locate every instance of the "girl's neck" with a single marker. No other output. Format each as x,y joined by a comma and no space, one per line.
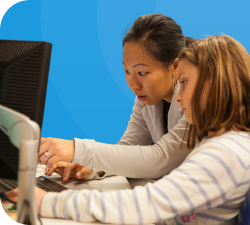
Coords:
219,132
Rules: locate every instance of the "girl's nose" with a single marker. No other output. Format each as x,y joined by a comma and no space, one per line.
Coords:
178,97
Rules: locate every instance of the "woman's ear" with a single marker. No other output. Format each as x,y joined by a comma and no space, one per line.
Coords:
174,67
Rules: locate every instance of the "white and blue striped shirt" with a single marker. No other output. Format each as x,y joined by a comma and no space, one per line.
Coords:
209,187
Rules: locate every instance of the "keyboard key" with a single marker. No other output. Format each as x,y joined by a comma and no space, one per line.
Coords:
49,185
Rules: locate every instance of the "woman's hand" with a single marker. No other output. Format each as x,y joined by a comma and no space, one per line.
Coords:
69,170
59,149
39,193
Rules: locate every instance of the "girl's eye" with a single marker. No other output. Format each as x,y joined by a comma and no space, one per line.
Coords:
142,73
183,83
127,72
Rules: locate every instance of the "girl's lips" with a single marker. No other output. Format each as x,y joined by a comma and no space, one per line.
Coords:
183,109
141,98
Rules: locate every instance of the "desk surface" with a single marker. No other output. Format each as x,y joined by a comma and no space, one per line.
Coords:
107,184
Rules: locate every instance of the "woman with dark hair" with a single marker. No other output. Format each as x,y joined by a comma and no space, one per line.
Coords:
151,145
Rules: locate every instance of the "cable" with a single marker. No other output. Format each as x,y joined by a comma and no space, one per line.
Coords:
39,218
6,198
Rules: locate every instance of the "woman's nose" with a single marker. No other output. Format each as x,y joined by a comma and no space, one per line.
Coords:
134,84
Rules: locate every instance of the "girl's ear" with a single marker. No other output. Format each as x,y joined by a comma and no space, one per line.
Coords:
174,67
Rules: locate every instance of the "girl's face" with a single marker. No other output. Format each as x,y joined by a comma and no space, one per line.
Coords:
188,75
146,77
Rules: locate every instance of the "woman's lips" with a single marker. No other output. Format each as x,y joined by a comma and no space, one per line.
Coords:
183,109
142,98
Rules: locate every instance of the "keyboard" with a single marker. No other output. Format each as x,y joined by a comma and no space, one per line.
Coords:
48,185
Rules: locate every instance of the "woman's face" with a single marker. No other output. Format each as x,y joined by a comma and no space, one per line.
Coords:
188,75
146,77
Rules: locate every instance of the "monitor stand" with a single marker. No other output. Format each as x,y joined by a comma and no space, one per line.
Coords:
26,206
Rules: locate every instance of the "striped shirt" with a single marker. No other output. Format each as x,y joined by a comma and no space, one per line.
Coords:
209,187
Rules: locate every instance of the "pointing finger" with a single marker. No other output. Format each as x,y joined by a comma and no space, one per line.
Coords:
67,171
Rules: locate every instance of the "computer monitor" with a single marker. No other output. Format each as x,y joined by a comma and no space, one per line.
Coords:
24,68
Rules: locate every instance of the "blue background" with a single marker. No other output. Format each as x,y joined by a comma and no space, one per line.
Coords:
87,95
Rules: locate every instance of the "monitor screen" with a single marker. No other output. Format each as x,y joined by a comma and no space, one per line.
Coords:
24,68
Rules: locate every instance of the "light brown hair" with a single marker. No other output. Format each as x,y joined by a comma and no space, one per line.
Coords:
226,64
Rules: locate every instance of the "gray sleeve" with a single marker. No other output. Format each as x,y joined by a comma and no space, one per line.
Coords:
136,161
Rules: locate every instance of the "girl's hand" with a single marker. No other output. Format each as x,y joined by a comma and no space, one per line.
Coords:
69,170
39,193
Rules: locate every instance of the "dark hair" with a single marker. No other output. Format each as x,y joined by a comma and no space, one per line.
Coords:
159,35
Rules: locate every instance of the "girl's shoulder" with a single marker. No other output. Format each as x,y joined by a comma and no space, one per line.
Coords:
228,138
231,143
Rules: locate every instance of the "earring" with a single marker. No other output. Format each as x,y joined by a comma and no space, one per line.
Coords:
174,82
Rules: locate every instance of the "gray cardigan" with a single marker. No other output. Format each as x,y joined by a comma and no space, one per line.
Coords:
134,155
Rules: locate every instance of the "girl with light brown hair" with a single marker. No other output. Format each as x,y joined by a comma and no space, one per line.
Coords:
224,73
211,184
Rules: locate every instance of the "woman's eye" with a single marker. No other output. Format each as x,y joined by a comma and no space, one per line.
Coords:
142,73
127,72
